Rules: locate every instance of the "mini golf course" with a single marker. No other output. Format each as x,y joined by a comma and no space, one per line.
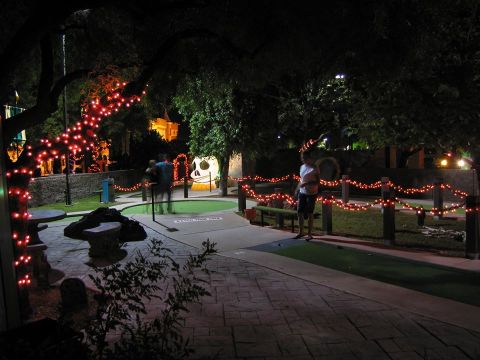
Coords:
459,285
184,207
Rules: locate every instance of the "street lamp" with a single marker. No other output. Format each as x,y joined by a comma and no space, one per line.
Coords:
68,197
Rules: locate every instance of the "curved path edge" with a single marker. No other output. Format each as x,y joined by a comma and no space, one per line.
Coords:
445,310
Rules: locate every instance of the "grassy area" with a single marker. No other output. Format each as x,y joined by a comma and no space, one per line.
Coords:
368,225
460,211
463,286
83,204
185,207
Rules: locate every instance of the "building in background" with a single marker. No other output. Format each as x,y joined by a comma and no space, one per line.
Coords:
165,127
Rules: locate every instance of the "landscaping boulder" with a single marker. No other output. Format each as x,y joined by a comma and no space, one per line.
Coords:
131,229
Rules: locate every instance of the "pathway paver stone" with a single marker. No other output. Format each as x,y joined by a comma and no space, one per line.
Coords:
259,313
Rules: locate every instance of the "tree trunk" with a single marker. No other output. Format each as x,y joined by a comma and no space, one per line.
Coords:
224,162
248,166
404,155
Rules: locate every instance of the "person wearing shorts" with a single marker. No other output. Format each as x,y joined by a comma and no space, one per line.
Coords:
307,190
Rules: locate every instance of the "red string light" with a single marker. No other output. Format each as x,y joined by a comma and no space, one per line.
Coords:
307,145
127,189
76,139
176,163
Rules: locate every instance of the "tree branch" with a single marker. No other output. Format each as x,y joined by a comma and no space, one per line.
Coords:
43,20
46,74
136,87
46,105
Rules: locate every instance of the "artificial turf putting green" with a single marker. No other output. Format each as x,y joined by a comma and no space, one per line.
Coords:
185,207
463,286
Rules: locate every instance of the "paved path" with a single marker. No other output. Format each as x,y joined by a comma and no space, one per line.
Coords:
267,307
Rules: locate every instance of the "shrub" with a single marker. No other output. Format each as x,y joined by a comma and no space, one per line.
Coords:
123,291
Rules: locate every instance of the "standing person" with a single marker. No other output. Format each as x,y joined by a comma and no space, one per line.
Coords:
165,177
307,193
151,175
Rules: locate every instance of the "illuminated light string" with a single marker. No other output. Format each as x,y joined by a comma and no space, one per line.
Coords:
357,184
266,198
433,211
307,145
127,189
355,207
456,192
421,190
263,179
76,139
176,164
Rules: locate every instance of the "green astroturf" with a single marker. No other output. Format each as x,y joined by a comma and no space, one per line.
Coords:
463,286
184,207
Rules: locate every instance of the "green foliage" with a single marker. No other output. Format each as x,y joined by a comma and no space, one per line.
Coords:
206,102
360,145
124,289
433,98
309,109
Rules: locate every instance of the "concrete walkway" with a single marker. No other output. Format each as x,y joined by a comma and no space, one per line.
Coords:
264,306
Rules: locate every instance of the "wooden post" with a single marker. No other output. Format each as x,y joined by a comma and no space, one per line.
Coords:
153,201
144,191
278,203
472,245
345,188
327,213
388,219
385,186
210,180
252,182
291,184
421,217
185,186
242,198
9,302
438,197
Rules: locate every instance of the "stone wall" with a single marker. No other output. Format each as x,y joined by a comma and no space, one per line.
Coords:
51,189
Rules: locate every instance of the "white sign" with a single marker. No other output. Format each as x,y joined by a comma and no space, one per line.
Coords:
183,221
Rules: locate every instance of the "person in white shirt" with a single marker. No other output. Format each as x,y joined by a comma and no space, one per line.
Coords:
307,193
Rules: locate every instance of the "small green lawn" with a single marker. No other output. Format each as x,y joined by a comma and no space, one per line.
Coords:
83,204
368,225
463,286
184,207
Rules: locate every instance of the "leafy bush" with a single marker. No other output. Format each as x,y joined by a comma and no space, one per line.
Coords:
123,290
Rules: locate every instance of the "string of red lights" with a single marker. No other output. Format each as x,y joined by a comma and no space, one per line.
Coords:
176,164
330,199
76,139
128,189
357,184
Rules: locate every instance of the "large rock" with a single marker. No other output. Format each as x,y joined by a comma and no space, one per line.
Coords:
131,229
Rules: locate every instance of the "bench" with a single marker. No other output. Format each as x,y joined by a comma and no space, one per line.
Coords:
103,239
271,210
